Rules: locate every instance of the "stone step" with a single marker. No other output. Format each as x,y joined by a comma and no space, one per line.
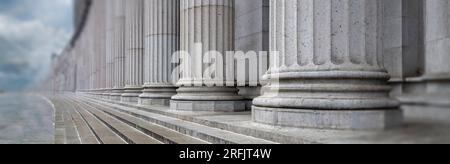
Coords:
163,134
104,134
85,134
60,130
70,131
128,133
206,133
236,122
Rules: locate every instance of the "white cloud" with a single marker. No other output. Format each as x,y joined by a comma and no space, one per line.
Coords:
33,37
45,30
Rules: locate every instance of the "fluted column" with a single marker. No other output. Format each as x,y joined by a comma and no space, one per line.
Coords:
90,41
162,31
104,49
119,49
202,83
134,16
109,34
329,71
102,46
98,34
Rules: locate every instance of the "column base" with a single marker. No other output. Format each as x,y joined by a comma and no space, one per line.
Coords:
110,95
213,106
218,99
157,95
116,94
99,93
329,119
131,94
106,94
130,99
153,101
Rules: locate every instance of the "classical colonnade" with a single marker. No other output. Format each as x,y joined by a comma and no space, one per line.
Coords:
329,72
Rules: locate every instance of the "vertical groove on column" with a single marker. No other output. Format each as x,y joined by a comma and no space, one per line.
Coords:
322,32
337,83
102,47
134,14
119,48
330,34
110,46
162,41
211,24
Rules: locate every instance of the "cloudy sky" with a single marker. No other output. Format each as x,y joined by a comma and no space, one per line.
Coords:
30,31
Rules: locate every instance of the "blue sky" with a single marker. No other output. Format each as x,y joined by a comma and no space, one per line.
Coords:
30,31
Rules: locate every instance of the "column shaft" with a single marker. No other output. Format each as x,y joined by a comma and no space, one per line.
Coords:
207,25
119,49
98,7
162,31
102,46
134,50
110,76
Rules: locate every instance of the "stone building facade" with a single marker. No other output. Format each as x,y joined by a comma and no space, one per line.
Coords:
333,64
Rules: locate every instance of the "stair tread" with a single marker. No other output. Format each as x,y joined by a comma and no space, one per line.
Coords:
70,131
198,128
105,134
157,129
60,136
85,133
129,132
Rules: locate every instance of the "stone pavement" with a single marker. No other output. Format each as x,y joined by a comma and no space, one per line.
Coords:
80,120
112,122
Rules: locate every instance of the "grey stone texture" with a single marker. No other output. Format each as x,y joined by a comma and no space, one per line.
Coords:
134,32
429,93
252,34
193,91
343,64
336,66
162,29
403,41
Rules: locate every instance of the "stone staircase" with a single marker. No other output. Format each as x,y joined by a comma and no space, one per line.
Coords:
83,120
89,119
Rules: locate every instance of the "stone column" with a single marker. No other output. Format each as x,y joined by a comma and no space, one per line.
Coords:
105,76
162,31
119,49
211,24
98,11
329,71
102,46
134,50
109,49
90,41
